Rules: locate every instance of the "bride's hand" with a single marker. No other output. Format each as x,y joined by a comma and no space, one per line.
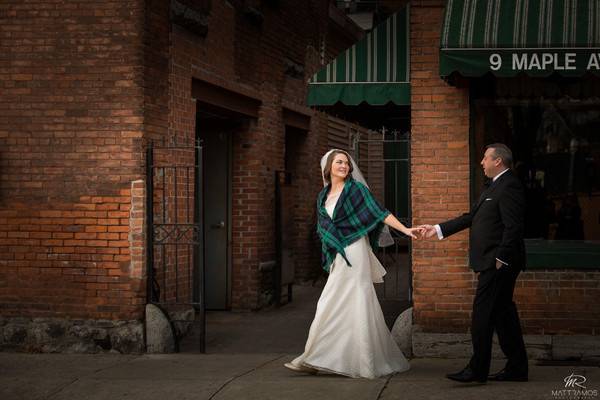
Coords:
413,232
420,232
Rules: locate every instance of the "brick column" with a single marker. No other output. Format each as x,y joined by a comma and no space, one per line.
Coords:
443,284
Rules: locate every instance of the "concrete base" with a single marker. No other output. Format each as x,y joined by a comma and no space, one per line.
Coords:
576,347
58,335
539,347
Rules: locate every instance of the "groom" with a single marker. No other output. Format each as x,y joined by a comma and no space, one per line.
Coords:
497,252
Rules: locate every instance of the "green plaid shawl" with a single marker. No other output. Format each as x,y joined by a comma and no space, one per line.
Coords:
356,214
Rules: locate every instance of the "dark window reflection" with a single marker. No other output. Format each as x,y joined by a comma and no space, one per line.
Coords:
556,144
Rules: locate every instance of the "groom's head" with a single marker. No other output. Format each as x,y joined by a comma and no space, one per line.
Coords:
497,158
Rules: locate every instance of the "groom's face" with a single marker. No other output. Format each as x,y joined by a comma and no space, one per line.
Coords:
491,164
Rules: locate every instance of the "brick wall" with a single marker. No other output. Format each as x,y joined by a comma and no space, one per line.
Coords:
251,58
85,86
549,301
306,184
156,69
559,302
71,113
443,285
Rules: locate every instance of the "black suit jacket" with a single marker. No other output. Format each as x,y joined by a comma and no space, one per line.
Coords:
497,225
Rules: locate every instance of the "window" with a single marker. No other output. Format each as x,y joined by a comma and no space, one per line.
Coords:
552,126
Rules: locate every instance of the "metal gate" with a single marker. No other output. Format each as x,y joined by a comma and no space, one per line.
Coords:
174,257
384,159
283,273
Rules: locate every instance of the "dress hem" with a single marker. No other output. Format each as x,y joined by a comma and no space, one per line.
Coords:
318,368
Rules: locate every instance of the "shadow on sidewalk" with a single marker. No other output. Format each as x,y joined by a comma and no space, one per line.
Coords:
273,330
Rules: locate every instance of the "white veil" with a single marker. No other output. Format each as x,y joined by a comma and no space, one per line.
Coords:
385,239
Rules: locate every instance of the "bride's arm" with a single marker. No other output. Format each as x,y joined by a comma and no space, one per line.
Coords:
392,221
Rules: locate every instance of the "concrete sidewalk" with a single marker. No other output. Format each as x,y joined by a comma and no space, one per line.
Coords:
244,360
250,376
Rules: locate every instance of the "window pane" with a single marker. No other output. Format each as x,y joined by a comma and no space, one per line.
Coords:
553,128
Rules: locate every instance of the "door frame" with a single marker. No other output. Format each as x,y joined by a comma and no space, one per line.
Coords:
229,153
229,219
233,106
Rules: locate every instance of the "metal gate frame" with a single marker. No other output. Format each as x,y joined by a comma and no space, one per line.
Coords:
169,230
282,179
382,138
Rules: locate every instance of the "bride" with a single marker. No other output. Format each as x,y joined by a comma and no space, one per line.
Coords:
348,335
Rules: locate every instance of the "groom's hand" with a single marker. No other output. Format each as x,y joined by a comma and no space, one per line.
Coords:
428,231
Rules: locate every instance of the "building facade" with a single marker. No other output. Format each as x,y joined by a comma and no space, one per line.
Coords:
86,89
219,90
456,109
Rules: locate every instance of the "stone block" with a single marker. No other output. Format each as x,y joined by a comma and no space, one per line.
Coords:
160,336
402,332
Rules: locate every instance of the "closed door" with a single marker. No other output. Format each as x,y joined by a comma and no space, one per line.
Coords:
216,218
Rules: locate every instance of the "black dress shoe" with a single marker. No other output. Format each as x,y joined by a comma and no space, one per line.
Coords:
508,376
466,375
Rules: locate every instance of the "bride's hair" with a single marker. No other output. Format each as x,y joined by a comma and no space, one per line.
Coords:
327,169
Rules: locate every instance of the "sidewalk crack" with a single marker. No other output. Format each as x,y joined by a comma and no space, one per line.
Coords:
228,381
385,385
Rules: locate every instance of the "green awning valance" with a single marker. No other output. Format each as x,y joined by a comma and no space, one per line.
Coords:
508,37
375,70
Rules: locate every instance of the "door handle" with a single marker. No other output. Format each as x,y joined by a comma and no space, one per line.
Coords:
220,225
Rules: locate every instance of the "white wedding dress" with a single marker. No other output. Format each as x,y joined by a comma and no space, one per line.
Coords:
348,335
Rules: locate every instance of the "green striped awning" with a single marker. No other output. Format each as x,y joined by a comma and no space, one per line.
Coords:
375,70
508,37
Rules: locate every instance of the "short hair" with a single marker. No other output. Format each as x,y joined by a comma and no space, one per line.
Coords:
502,152
329,162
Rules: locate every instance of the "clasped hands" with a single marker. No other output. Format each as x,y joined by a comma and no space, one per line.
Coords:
427,231
421,231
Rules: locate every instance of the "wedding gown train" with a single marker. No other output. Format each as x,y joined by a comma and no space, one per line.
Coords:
348,335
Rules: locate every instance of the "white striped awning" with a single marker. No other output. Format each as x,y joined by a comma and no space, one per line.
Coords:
508,37
375,70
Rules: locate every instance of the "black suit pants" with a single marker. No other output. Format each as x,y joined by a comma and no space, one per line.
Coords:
494,309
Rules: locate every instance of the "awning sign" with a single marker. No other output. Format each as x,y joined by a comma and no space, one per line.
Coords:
506,38
502,62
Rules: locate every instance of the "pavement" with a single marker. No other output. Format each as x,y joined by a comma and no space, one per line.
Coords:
244,360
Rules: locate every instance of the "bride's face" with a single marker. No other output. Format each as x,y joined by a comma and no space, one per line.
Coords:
340,166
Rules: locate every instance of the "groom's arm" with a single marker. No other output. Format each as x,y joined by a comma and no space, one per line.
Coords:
450,227
453,226
512,213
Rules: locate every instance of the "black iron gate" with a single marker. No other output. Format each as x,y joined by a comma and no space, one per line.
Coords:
384,159
283,273
174,257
